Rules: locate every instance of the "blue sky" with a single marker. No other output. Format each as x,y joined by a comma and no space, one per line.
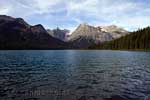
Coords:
129,14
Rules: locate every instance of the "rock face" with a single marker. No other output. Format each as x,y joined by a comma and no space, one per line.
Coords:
115,31
15,33
86,35
59,34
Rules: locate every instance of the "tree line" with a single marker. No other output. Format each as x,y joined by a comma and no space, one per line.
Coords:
137,40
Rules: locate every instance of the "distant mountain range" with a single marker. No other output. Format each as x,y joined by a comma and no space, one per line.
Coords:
15,33
86,35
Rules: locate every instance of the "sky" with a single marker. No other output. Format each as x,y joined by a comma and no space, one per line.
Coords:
68,14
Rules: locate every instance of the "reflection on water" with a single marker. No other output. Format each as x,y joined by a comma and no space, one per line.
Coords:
74,75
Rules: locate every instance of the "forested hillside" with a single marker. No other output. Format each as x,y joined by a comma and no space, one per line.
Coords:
138,40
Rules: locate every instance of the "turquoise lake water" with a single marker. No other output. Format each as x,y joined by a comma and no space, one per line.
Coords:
74,75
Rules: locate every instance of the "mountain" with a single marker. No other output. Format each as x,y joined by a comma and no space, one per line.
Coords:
58,33
116,32
15,33
138,40
86,35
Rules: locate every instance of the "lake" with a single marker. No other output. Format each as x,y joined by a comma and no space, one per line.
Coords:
74,75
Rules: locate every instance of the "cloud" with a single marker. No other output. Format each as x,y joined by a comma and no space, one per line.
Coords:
130,14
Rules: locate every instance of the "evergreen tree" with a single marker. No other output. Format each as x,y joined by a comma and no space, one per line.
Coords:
138,40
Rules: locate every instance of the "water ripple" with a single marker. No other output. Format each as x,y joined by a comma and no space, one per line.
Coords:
74,75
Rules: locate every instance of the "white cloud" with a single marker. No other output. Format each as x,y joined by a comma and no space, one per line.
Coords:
4,11
4,7
126,13
29,7
133,23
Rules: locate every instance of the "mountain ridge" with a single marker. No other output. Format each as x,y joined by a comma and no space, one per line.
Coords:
15,33
95,34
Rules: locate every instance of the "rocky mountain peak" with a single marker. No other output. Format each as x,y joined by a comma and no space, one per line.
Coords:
39,26
38,29
59,33
21,21
86,33
113,28
83,24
